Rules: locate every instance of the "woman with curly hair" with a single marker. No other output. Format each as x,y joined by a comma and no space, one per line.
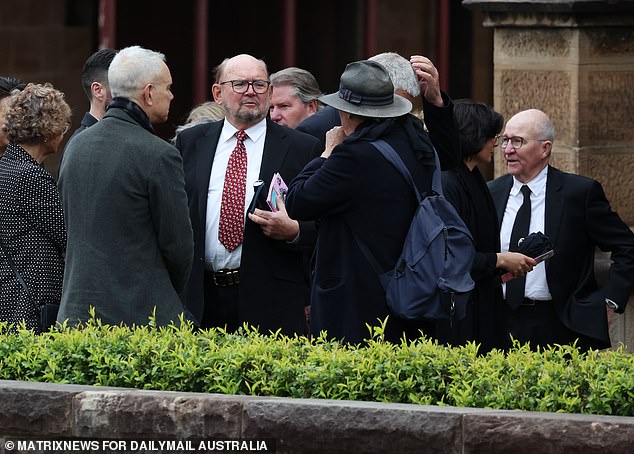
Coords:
32,232
7,86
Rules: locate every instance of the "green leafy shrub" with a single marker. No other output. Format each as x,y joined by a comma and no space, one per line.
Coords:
181,358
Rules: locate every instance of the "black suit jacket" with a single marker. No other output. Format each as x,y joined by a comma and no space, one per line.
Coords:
273,285
86,122
318,124
578,218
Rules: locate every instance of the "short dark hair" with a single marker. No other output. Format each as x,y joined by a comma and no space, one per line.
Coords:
96,69
8,84
477,124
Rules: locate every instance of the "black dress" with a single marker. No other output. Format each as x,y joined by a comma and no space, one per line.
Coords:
468,192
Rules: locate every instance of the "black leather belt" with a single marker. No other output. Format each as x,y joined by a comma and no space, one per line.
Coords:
225,278
530,302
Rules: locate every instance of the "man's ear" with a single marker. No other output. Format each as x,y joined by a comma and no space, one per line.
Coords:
147,94
312,106
547,148
216,92
98,91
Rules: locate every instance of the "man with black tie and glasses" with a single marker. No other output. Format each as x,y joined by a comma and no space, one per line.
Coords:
559,301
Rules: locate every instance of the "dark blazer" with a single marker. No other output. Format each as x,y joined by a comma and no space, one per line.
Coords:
33,234
318,124
86,122
578,218
467,191
357,190
130,244
272,280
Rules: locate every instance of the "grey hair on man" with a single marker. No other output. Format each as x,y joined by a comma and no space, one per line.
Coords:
544,126
133,68
305,85
400,71
403,78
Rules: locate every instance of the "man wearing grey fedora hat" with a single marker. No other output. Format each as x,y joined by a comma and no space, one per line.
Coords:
355,192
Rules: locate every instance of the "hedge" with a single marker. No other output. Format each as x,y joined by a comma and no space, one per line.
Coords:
182,358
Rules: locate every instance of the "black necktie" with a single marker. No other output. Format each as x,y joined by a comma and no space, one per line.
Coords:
515,287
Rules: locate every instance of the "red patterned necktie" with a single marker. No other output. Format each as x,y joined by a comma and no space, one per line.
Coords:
231,227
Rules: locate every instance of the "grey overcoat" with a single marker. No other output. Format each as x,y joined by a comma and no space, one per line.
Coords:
130,243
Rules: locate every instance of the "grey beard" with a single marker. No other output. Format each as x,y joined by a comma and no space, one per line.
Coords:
249,117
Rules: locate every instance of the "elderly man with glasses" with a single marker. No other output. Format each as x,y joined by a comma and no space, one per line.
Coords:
559,301
247,266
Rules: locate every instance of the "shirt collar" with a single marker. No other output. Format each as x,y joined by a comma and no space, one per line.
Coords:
537,185
254,132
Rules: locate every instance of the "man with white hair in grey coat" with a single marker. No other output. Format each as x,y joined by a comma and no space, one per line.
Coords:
130,243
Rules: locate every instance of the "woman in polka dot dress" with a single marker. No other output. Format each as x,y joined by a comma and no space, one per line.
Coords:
31,218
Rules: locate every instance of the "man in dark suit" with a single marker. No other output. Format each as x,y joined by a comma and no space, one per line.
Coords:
247,268
130,243
94,82
559,301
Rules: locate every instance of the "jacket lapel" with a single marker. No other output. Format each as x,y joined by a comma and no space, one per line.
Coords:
553,204
205,152
275,151
500,195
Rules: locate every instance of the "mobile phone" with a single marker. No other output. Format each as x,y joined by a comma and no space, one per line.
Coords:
540,258
258,185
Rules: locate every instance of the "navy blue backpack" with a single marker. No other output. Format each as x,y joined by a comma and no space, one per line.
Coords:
432,277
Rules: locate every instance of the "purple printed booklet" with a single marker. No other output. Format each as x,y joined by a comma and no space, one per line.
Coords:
277,187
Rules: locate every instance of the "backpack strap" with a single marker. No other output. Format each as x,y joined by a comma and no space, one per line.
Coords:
392,156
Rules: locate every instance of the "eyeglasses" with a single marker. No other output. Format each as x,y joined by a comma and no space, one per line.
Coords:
517,142
66,129
242,86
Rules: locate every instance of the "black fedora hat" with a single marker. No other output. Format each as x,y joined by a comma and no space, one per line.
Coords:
365,89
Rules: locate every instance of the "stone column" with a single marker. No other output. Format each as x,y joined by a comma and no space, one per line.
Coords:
575,61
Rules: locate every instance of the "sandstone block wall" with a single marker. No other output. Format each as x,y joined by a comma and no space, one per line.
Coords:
40,411
583,78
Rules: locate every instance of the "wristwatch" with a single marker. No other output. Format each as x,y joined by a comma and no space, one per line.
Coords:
611,304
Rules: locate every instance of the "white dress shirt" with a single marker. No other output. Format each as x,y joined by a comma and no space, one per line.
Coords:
217,257
536,284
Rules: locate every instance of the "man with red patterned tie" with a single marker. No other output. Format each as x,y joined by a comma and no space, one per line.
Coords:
247,267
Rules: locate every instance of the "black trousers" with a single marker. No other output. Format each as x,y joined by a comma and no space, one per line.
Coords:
221,306
539,325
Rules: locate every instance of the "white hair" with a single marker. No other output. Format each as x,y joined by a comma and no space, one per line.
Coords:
132,69
401,72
